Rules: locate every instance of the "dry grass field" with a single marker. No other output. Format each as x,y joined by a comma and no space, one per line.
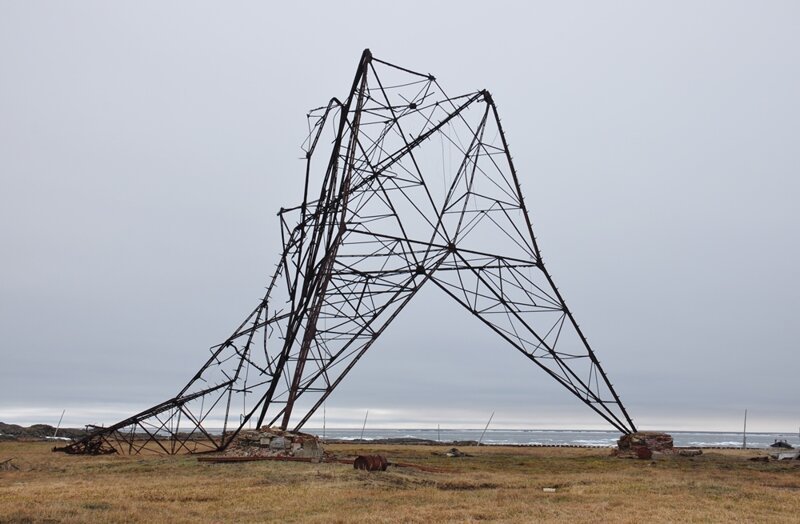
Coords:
495,484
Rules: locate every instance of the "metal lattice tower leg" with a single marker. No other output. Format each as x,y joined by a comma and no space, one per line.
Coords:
391,216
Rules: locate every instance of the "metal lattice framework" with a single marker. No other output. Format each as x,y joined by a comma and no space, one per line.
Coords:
418,188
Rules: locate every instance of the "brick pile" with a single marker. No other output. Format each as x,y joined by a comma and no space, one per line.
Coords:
643,444
273,442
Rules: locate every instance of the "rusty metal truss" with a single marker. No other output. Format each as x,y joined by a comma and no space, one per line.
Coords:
417,188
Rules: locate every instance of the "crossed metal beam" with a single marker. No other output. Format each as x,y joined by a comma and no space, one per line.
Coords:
418,188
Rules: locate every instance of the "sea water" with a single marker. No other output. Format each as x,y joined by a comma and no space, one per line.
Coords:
554,437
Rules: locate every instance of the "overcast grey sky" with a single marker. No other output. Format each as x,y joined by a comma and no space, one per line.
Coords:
145,148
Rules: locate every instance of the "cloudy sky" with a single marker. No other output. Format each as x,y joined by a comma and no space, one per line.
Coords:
145,148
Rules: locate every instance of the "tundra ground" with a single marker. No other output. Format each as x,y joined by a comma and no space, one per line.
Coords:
494,484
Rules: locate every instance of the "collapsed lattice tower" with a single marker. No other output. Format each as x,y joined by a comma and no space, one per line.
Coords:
391,216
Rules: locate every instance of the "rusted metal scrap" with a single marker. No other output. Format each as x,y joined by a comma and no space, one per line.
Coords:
88,447
221,459
371,463
362,464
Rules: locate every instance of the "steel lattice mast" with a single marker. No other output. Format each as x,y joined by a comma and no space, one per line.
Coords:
391,216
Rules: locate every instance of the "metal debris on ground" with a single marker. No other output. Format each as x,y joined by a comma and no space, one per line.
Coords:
218,459
7,465
326,458
371,463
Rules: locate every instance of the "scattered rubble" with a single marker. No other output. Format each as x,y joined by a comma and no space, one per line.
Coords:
643,444
273,442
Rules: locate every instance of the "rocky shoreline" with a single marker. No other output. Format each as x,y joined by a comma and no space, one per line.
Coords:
37,432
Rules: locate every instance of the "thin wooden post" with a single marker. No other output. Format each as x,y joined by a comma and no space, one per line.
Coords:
484,429
55,433
744,432
364,426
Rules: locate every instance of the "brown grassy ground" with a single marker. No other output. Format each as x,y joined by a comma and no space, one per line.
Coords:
496,484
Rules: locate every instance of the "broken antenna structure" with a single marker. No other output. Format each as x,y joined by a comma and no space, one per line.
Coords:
387,216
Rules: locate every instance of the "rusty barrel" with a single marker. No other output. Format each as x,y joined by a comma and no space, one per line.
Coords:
371,462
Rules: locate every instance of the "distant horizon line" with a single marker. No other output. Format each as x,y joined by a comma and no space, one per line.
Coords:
353,418
472,429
